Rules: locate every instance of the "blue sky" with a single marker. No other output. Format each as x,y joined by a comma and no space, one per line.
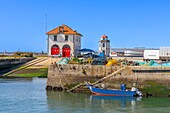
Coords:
127,23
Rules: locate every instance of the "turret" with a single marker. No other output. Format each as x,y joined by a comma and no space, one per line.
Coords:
104,45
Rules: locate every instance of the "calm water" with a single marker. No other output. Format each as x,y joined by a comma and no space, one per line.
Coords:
29,96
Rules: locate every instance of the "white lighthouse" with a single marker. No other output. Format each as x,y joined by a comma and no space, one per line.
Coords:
104,45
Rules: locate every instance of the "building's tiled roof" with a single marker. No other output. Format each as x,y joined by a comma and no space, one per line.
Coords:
63,29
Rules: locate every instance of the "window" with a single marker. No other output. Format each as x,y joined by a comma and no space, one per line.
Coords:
66,37
79,39
55,37
103,44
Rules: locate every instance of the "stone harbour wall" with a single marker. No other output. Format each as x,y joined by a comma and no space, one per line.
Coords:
71,74
14,61
61,75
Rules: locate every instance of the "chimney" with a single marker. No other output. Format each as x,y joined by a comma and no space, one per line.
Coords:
61,29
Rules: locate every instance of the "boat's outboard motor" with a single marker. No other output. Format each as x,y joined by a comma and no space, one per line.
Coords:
138,93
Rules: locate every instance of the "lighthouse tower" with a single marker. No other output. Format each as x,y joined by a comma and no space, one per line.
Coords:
104,45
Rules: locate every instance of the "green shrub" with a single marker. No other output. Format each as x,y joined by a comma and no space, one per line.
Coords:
23,54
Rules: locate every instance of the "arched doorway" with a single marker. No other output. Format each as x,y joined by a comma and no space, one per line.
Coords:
66,51
55,50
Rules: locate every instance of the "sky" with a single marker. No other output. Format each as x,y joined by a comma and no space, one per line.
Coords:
127,23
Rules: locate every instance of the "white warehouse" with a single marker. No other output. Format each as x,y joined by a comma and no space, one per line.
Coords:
151,55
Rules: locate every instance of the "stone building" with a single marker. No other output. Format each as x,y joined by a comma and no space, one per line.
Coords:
104,45
63,41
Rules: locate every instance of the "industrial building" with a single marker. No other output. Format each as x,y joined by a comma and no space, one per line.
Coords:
151,55
163,53
127,52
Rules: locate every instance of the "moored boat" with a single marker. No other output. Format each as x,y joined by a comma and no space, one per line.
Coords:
113,92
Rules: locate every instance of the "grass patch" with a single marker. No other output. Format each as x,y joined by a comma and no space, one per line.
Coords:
42,73
156,89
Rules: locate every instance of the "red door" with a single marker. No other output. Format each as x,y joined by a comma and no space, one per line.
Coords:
55,50
66,52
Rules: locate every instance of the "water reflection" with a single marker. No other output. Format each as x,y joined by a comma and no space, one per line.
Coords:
122,101
64,102
74,102
118,103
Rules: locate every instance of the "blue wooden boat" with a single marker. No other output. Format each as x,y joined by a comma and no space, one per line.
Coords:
111,92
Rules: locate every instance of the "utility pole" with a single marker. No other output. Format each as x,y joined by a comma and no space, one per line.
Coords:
46,31
46,23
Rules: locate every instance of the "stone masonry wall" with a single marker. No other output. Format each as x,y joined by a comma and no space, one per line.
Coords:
61,75
14,61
